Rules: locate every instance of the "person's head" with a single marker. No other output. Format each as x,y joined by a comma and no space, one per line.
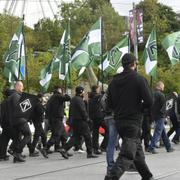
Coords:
40,97
160,85
129,61
96,89
79,91
19,87
58,89
175,94
8,92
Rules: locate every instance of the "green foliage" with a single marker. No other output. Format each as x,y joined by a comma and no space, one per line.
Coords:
164,18
42,41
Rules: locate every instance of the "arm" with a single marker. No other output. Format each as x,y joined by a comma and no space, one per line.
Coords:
109,97
64,98
146,93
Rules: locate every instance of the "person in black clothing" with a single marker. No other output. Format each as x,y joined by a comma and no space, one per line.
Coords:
128,95
178,108
37,120
146,128
159,114
171,104
19,123
79,116
97,116
55,114
8,131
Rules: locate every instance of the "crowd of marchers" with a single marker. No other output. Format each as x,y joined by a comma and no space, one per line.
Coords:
127,110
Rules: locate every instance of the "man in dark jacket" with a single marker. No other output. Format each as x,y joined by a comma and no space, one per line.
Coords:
97,117
159,114
79,116
37,119
55,113
8,131
171,108
128,94
18,121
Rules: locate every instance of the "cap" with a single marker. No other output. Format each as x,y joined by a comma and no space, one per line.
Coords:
128,59
79,89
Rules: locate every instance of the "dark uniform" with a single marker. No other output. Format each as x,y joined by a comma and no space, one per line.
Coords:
55,113
125,95
8,132
79,116
97,116
19,123
37,120
171,112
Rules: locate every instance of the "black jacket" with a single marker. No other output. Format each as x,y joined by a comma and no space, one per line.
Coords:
55,106
78,110
171,102
95,109
38,113
16,115
126,93
159,105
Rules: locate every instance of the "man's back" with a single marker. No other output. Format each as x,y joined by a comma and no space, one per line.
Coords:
159,107
78,109
125,95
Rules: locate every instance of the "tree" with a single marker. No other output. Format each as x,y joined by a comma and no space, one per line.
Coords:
164,18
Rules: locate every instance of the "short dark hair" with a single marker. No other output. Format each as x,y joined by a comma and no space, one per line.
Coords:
128,60
93,88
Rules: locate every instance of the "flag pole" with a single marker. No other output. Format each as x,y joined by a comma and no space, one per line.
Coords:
19,68
135,32
27,77
151,82
102,38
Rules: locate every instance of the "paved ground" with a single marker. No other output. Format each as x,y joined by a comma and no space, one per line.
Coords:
165,166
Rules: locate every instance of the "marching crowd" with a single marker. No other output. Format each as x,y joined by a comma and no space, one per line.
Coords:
126,110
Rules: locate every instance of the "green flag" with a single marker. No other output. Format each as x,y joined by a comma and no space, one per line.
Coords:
46,75
87,49
112,60
80,58
172,45
150,54
64,54
59,63
15,59
95,36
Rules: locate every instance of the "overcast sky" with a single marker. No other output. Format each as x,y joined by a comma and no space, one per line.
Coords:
33,11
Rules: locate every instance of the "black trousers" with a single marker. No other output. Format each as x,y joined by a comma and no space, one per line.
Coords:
131,152
57,129
39,132
80,129
146,130
97,123
7,134
175,126
23,130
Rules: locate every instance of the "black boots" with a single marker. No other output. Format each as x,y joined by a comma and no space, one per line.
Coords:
18,158
43,151
91,156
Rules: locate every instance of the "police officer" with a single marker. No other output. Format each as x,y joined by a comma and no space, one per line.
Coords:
126,93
